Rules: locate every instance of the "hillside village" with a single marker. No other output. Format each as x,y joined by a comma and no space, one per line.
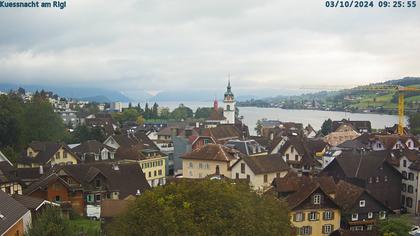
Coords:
341,183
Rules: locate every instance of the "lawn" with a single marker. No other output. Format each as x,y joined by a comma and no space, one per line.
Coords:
86,226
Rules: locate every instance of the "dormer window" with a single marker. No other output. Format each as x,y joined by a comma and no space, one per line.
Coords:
354,216
57,155
317,199
362,203
98,183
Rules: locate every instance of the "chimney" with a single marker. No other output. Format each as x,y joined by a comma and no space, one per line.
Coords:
41,170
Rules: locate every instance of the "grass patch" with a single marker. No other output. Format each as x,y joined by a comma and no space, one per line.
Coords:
85,226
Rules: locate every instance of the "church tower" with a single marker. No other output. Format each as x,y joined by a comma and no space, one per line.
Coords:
229,106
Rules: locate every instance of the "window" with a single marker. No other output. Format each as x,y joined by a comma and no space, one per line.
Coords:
327,229
296,157
191,165
89,198
409,202
385,178
369,227
404,174
57,198
217,170
410,189
248,178
200,165
155,173
292,149
191,174
243,168
370,180
377,179
278,175
57,155
404,163
317,199
362,203
300,216
313,215
328,215
287,156
97,183
228,107
370,215
410,176
64,154
207,165
382,215
265,178
404,187
98,197
150,174
354,216
237,176
305,230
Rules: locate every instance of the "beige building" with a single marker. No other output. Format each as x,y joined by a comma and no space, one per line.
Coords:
260,170
47,153
208,160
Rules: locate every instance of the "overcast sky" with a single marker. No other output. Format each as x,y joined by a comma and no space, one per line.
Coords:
155,45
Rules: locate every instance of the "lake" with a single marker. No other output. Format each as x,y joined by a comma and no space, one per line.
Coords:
315,118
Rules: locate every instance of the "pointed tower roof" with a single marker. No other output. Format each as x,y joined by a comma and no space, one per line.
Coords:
229,90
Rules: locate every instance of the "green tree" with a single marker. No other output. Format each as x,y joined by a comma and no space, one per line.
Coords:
155,114
394,226
203,112
182,112
83,133
414,123
258,127
203,207
326,127
140,120
165,113
50,223
41,123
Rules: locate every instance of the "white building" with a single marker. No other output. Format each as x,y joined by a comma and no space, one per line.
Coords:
229,106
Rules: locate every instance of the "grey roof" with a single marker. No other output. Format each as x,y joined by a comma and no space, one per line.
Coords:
7,173
266,164
11,210
30,203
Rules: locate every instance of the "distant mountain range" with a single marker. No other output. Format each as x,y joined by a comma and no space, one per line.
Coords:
80,93
108,95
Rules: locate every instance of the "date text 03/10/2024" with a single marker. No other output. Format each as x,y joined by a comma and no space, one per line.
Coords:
370,4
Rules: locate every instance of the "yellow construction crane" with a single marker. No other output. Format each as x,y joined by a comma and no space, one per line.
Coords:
393,88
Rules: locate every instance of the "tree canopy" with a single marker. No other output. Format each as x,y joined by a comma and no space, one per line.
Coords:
203,207
414,123
50,223
326,127
394,226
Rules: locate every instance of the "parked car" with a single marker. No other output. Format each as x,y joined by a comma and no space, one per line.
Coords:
415,230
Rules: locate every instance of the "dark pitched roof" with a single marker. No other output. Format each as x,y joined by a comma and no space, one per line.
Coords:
347,194
46,151
266,163
223,132
304,192
126,179
138,139
10,212
247,147
343,232
213,152
91,146
357,165
30,203
7,173
292,183
263,141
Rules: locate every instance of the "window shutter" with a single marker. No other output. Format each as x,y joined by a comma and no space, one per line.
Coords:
323,229
324,215
294,217
303,216
332,215
317,216
310,230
